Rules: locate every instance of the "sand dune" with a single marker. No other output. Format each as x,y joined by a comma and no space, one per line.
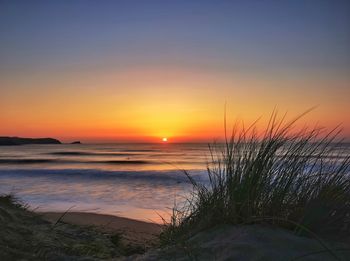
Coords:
249,243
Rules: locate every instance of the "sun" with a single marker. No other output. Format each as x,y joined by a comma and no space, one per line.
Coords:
165,139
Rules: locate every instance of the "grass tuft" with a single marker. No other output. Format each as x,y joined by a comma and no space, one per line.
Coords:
296,180
11,200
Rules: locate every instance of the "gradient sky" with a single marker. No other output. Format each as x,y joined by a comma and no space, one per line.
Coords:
143,70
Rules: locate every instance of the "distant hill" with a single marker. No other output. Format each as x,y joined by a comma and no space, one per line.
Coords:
5,141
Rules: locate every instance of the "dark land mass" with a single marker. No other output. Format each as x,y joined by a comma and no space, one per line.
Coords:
8,141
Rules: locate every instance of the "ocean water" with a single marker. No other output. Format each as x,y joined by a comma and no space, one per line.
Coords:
140,181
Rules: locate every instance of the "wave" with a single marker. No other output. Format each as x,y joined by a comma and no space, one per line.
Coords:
120,162
38,161
152,176
118,154
81,153
26,161
140,150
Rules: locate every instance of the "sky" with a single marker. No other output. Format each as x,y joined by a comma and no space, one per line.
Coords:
122,71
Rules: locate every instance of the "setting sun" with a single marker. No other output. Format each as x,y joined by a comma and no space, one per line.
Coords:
197,114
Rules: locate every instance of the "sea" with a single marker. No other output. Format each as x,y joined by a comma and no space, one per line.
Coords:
139,181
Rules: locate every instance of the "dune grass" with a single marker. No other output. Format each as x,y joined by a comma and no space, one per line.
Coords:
25,235
298,180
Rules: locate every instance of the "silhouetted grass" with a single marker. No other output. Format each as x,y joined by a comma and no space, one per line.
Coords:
11,200
24,235
295,180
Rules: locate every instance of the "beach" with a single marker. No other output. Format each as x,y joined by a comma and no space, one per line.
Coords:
133,231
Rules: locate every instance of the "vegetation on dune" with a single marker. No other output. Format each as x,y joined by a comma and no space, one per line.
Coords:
24,235
296,180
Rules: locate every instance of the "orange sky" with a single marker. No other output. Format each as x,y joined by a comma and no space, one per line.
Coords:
180,104
140,71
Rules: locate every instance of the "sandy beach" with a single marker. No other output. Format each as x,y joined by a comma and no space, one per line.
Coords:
133,231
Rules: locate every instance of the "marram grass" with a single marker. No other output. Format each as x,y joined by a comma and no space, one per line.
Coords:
295,180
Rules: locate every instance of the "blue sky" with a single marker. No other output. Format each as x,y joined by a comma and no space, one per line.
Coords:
258,34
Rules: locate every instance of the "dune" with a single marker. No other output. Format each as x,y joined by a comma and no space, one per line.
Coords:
224,242
248,243
25,235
